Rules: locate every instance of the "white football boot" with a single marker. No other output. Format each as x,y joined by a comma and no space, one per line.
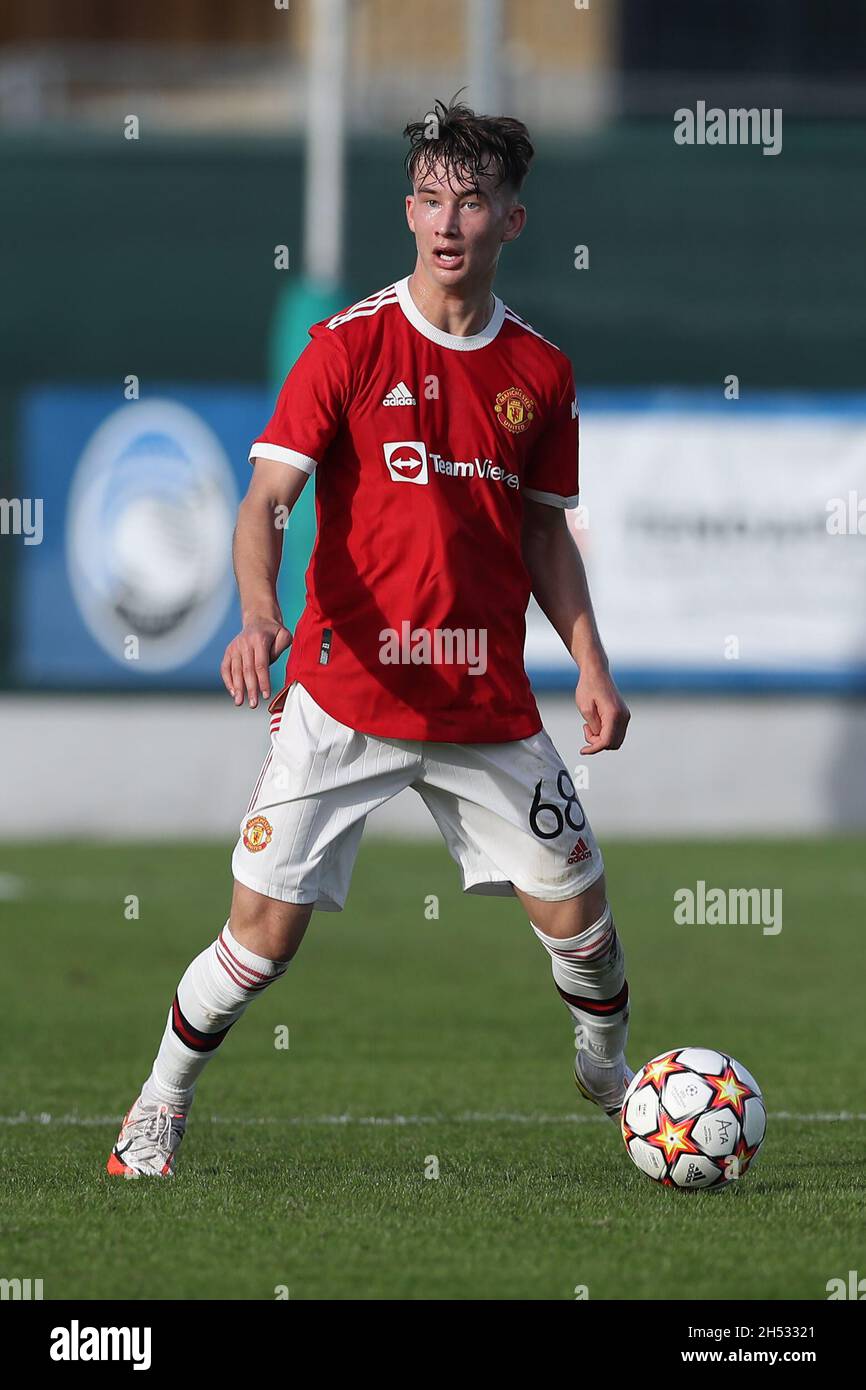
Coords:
609,1100
148,1141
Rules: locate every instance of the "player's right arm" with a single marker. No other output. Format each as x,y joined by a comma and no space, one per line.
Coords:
258,545
311,404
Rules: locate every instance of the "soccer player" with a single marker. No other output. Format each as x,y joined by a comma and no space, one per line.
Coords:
442,430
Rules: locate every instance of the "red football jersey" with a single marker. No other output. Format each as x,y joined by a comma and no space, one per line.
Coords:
424,444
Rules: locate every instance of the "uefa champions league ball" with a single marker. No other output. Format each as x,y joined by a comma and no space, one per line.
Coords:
693,1118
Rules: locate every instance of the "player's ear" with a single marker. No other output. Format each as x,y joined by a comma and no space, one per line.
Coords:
515,222
410,210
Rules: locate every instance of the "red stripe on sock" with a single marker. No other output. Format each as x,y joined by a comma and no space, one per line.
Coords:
597,1006
584,952
235,977
228,963
239,964
194,1038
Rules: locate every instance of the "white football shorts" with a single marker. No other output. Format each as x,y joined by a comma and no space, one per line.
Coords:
508,812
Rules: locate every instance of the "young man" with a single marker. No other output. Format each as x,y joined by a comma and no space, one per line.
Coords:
442,430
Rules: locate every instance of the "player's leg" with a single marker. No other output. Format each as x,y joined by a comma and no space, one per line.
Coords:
252,950
588,965
513,822
267,926
296,851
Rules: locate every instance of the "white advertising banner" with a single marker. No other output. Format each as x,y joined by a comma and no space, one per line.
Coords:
725,541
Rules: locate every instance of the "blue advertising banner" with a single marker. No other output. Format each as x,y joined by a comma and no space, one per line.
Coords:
723,538
131,584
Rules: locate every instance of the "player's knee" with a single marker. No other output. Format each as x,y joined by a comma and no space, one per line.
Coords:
591,904
573,915
267,926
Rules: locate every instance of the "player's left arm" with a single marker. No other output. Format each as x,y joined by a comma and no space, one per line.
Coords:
550,488
560,587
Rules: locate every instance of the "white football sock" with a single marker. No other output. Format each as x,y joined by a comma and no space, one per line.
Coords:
216,989
589,972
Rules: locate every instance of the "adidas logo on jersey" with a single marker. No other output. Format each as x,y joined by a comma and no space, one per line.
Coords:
580,852
400,395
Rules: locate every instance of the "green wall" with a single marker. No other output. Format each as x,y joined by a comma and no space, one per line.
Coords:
156,257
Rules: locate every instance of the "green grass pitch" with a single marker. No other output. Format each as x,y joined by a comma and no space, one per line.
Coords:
411,1039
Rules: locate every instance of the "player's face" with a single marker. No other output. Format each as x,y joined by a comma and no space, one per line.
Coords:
461,226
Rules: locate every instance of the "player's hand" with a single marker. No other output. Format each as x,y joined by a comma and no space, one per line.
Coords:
605,712
245,665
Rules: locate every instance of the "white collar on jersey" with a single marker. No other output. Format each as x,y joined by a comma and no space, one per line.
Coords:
438,335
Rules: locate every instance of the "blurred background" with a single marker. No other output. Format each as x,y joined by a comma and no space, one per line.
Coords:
189,185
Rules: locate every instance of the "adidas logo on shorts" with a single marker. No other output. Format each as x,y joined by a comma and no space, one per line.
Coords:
399,395
580,852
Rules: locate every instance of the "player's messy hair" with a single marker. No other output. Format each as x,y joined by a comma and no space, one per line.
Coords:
468,145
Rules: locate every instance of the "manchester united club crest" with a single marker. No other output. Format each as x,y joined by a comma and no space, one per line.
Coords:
515,410
257,834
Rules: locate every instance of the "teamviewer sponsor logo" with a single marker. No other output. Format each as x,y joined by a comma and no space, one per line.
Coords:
407,461
474,468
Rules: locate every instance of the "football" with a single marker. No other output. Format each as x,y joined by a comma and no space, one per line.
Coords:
693,1118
